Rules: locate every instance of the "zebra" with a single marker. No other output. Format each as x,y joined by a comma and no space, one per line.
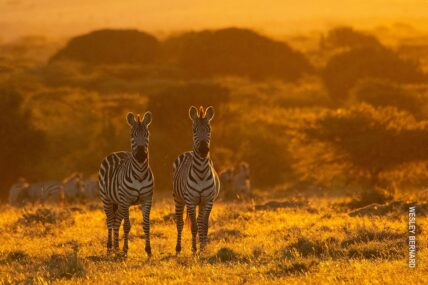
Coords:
125,179
195,181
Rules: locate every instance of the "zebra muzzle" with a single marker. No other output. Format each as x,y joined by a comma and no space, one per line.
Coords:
204,148
140,153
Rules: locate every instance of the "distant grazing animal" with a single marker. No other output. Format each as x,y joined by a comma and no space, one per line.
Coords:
241,179
125,179
74,188
91,189
19,194
226,179
195,182
71,189
47,191
235,182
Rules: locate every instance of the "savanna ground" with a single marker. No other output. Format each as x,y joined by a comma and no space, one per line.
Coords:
302,240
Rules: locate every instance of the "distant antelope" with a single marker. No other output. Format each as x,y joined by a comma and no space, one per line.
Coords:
195,182
125,179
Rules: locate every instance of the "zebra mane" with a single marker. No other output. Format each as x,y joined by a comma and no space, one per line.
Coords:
201,112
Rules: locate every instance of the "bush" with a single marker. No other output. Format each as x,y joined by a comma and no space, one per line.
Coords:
362,142
369,196
17,255
347,37
238,52
377,250
259,139
224,254
45,216
65,265
345,69
378,93
111,47
21,142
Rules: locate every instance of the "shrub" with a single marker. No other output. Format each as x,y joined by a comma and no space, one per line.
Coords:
362,142
347,37
111,47
21,142
17,255
224,254
377,250
45,216
65,265
369,196
313,248
365,235
238,52
378,93
347,68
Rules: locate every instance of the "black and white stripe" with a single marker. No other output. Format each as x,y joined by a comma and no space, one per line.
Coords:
125,179
195,182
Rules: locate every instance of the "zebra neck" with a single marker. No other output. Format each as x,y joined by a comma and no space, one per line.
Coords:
139,169
200,162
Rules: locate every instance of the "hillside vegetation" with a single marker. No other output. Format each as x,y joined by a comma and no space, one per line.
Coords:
302,120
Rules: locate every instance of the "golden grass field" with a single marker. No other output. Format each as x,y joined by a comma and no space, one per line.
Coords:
309,241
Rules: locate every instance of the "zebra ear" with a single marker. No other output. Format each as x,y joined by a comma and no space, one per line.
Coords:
147,119
209,113
193,113
131,119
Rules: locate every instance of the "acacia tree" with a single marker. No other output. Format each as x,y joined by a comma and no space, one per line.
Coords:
20,142
363,142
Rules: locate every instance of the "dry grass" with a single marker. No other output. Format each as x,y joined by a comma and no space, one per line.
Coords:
270,245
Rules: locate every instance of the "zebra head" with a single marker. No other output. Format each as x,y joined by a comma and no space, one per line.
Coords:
140,135
201,129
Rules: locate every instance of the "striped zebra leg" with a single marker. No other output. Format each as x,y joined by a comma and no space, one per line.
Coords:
200,223
110,217
206,211
121,212
179,209
191,209
126,230
146,207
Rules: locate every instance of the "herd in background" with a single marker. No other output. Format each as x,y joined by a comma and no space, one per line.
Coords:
235,184
71,189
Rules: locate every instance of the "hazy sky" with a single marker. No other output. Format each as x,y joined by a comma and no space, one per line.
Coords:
58,18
